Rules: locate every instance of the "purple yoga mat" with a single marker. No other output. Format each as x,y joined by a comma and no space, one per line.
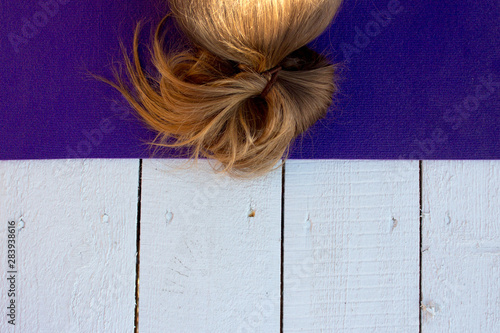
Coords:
420,80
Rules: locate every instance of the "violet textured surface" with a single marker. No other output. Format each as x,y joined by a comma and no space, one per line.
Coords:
420,80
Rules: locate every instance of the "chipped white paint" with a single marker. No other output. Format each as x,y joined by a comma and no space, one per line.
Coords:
75,273
461,238
169,216
212,268
351,261
20,224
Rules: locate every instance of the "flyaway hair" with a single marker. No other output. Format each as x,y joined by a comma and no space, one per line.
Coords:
216,97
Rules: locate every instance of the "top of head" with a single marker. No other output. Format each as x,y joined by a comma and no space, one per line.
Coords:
258,33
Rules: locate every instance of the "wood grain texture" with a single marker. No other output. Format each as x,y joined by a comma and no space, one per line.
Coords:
461,246
207,264
76,251
351,252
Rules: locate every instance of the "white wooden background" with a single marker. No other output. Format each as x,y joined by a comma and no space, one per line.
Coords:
319,246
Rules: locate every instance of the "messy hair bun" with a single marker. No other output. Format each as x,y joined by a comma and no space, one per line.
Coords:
245,87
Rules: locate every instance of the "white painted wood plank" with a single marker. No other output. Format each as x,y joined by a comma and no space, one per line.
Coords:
351,252
461,246
205,265
75,255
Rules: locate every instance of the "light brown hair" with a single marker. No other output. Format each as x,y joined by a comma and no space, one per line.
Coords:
208,96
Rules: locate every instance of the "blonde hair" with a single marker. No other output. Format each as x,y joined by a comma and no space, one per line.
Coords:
209,96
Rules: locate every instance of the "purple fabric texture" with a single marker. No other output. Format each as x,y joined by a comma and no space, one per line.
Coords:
419,80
